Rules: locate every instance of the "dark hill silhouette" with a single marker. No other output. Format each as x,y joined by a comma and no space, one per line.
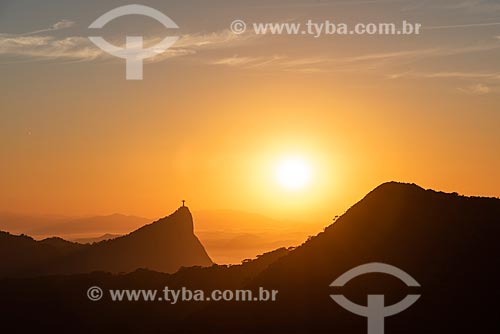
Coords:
165,245
58,303
448,243
17,253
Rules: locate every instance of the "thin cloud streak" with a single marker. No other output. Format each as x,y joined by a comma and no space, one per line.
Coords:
467,6
495,76
476,89
63,24
321,3
359,63
77,48
48,47
470,25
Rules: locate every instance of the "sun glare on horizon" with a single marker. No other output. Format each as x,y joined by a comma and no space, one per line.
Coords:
293,173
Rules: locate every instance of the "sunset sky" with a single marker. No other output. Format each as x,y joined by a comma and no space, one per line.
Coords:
218,114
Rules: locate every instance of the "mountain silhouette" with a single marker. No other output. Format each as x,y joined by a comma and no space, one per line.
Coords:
165,245
20,253
446,242
103,237
229,236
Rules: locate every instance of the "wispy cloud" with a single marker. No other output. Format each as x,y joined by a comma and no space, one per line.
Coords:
48,47
63,24
189,44
476,89
422,53
275,62
240,61
37,47
482,82
475,6
355,63
448,75
468,25
324,3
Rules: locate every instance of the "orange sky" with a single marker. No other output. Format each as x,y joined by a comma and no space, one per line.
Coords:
76,138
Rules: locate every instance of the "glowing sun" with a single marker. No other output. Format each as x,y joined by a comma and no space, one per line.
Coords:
293,173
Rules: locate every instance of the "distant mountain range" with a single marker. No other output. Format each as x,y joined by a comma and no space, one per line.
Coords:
446,242
229,236
103,237
69,227
112,224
